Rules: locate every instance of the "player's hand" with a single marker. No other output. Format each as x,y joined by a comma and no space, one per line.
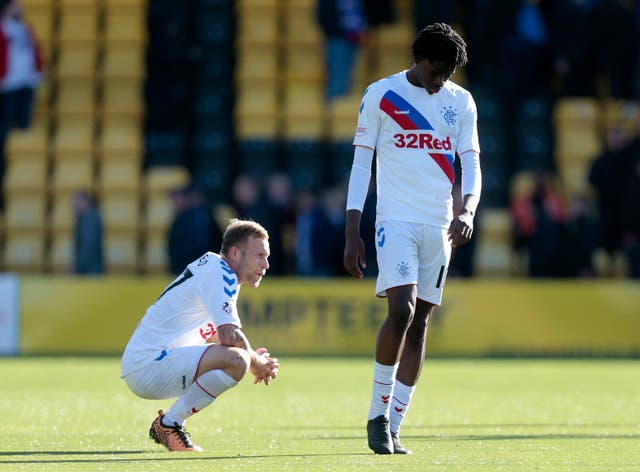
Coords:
354,256
461,229
266,368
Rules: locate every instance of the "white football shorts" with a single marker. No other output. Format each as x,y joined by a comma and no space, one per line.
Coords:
412,254
169,375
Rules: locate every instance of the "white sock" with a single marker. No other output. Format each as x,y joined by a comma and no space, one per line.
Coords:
399,405
383,378
201,394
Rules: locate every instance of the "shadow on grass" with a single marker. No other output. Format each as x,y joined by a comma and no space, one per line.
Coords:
155,457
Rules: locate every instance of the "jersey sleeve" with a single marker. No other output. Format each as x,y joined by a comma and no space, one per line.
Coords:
468,136
219,293
368,120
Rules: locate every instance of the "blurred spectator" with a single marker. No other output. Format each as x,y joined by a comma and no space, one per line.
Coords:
526,52
574,36
539,217
630,211
279,222
21,67
88,254
193,230
247,198
313,237
344,25
617,45
334,202
581,238
608,172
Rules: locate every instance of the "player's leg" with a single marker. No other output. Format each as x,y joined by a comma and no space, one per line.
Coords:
397,256
389,345
409,369
435,253
219,369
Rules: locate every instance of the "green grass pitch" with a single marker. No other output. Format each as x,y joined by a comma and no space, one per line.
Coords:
75,414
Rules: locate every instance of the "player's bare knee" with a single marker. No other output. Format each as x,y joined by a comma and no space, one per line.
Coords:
238,363
401,315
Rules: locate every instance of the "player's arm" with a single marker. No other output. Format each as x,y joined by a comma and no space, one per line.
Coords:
263,367
354,252
461,228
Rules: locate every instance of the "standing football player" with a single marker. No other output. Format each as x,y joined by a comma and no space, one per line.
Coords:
417,121
190,343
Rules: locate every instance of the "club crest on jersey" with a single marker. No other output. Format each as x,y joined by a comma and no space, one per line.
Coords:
403,269
450,115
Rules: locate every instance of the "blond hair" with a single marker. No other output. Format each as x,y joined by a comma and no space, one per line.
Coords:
239,231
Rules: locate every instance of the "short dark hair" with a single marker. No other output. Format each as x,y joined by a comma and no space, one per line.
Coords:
240,231
439,42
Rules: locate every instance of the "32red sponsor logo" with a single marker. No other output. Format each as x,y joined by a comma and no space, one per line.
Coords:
421,141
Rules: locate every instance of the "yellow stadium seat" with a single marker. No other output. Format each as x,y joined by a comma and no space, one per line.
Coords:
259,100
25,212
396,36
121,251
32,141
125,26
26,175
119,174
574,177
303,96
393,60
304,126
134,7
122,98
123,62
255,125
257,25
119,136
305,62
343,117
159,180
32,6
76,97
159,213
244,5
583,110
61,252
496,225
72,174
41,21
78,62
62,216
256,62
156,257
302,27
24,252
77,27
74,138
120,210
493,258
577,139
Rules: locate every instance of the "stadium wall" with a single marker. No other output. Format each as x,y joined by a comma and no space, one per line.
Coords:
67,315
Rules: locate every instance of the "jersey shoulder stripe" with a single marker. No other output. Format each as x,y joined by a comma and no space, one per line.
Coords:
402,112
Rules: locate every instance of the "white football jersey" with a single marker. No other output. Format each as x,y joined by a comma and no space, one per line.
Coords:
416,136
187,312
